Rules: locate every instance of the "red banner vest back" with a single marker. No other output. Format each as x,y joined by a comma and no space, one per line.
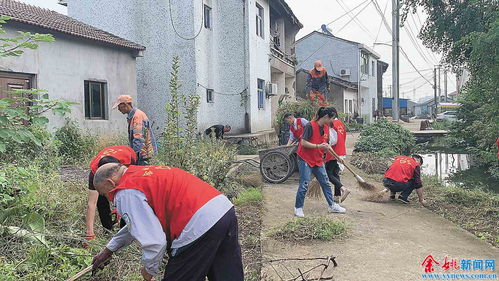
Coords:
340,146
298,132
402,169
314,156
123,153
173,194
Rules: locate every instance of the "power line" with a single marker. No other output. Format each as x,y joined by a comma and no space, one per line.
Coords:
219,93
432,55
380,24
354,18
329,23
173,24
416,46
420,46
409,60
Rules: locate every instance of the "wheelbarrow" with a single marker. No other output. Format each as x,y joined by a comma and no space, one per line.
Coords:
277,164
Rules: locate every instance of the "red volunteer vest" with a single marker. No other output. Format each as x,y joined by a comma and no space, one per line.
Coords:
340,146
123,153
298,132
173,194
402,169
313,156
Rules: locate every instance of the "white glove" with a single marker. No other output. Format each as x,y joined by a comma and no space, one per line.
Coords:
342,167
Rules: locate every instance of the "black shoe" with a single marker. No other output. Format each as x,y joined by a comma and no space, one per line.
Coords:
392,195
403,200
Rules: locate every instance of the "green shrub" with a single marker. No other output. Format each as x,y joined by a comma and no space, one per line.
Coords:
249,195
311,228
181,147
386,138
370,163
74,146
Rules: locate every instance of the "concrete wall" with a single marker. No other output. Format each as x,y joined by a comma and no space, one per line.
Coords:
62,67
335,54
261,119
221,63
148,22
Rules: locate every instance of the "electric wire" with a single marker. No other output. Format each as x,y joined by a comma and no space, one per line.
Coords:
173,24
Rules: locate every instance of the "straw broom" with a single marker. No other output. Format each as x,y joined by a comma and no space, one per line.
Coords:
314,188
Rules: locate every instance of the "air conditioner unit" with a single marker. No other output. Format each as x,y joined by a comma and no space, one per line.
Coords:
271,89
345,72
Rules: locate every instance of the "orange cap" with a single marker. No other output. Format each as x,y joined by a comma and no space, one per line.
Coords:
318,65
122,99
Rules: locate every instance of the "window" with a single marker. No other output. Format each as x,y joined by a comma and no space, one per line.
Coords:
261,92
345,110
373,69
207,17
95,100
364,63
209,96
259,20
350,106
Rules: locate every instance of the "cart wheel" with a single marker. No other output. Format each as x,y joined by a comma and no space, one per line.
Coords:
275,167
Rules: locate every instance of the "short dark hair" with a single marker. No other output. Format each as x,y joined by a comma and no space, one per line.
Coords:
417,156
107,159
323,111
287,115
228,126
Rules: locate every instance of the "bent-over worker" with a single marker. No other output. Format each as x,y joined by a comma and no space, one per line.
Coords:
168,209
217,131
296,126
404,175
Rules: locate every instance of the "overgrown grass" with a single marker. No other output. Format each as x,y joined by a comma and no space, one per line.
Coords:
248,196
475,210
311,228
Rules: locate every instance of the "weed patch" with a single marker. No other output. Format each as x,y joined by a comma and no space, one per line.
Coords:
314,228
248,196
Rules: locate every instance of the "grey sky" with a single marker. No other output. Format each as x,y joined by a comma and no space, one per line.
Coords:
314,13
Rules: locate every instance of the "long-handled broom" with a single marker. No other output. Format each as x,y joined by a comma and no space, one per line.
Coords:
314,189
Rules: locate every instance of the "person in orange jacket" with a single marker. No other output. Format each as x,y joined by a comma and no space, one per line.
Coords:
317,84
140,133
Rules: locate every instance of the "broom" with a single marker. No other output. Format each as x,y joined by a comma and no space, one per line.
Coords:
360,181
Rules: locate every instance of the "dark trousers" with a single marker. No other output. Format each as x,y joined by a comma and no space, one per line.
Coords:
405,188
216,255
105,213
333,173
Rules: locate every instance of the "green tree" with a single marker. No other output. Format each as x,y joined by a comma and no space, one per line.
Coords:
467,35
24,108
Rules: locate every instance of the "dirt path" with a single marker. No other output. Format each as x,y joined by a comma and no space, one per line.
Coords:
385,241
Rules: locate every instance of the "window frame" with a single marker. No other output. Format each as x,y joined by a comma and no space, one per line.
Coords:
210,96
87,100
260,93
260,21
373,68
207,18
364,63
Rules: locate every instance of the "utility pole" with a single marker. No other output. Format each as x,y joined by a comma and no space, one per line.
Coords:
395,59
439,82
445,84
435,88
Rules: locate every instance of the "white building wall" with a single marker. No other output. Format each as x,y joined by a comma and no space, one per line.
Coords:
368,92
259,67
61,68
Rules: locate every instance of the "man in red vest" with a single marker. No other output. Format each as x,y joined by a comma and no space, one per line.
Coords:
296,126
168,209
404,175
311,149
113,154
338,143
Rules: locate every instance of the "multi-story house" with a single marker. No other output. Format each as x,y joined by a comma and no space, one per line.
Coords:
346,60
224,48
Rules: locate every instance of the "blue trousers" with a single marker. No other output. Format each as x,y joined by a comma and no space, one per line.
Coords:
305,174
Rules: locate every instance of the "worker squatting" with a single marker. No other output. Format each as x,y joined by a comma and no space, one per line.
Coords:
168,210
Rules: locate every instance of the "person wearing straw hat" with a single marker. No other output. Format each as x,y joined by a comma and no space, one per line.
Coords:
140,133
317,84
311,149
337,141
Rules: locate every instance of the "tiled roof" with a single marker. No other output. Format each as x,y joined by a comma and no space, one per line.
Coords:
32,15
